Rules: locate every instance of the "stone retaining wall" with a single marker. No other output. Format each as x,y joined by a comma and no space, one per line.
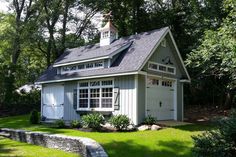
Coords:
84,146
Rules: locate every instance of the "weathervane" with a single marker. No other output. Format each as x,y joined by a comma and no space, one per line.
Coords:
108,16
167,60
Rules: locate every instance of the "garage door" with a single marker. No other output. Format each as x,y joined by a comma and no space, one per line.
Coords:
53,101
160,98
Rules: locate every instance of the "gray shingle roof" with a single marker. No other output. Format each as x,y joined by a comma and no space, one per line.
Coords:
130,60
90,52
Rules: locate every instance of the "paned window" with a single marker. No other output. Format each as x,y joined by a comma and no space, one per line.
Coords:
105,34
83,98
96,94
81,66
94,97
153,82
161,68
167,83
98,64
163,43
90,65
107,97
152,66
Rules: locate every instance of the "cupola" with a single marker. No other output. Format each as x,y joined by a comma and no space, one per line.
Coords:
108,34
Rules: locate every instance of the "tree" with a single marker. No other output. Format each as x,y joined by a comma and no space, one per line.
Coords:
215,58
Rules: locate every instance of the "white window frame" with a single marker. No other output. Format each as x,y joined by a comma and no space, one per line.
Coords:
100,95
85,68
157,70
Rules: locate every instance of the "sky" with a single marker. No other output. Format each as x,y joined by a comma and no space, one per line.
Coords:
3,6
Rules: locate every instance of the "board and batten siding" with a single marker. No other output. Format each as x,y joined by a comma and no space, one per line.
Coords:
69,111
127,97
141,98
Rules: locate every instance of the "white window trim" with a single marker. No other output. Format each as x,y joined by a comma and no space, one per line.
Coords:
85,69
100,97
158,64
163,42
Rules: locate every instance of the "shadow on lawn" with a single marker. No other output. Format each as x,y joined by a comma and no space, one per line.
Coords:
4,149
196,127
172,148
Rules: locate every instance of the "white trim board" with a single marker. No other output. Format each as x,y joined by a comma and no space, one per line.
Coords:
90,77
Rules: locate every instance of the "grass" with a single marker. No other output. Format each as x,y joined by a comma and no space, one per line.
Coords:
174,142
17,149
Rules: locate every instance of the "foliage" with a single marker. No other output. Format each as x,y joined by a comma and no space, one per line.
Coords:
120,122
75,124
215,59
60,123
34,117
218,143
93,120
149,120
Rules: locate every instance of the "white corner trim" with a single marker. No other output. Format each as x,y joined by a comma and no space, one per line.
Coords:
82,61
175,100
185,81
41,112
182,87
90,77
146,113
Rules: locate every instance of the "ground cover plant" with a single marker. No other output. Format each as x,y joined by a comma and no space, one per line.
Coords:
120,122
174,142
220,142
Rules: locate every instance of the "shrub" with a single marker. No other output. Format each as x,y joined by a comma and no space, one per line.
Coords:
60,123
34,117
219,142
149,120
120,122
93,121
75,124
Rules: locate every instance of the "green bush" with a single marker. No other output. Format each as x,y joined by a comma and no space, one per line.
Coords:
149,120
220,142
75,124
34,117
120,122
93,121
60,123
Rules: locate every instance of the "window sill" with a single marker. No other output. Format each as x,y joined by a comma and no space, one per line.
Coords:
96,109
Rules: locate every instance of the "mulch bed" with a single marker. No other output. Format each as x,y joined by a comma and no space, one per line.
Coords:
202,114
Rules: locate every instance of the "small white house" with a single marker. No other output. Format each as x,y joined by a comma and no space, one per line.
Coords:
137,76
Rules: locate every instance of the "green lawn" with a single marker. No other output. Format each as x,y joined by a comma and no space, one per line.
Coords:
170,142
17,149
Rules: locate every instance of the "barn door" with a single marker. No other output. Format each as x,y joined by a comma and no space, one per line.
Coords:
160,98
53,101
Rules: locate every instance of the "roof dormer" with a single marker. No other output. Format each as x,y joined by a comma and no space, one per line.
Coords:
108,33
